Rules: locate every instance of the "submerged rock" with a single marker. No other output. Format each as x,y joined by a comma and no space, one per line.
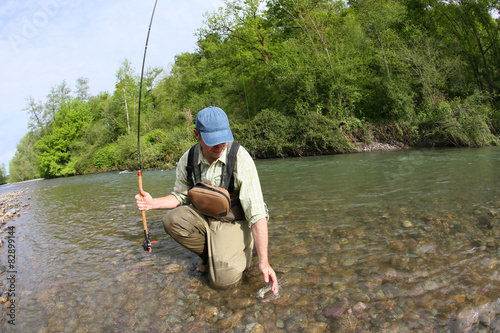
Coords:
349,323
465,320
336,310
485,317
359,308
407,224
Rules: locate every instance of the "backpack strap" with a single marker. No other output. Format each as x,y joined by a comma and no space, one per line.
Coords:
227,177
193,167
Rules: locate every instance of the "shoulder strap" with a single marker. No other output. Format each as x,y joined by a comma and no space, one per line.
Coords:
193,172
227,177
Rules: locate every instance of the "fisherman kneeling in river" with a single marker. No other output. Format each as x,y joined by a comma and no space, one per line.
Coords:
222,231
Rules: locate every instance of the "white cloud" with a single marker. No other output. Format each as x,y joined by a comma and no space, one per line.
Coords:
43,42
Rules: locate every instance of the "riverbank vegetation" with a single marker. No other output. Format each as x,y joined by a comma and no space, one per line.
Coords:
3,174
296,78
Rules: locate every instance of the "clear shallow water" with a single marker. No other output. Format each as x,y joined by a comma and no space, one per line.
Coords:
401,241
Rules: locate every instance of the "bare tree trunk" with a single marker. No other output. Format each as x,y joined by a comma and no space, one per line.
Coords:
126,110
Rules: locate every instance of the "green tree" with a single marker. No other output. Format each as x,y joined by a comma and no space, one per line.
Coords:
3,174
237,55
57,96
126,88
82,88
55,155
23,165
37,121
475,32
150,109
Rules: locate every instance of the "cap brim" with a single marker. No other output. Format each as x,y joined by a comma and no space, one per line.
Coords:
216,138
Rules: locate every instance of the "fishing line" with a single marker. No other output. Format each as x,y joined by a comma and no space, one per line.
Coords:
147,241
241,73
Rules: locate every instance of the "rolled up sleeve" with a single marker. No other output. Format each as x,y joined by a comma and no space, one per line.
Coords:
181,186
251,197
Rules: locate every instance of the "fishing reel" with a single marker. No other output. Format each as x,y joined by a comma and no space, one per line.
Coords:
147,242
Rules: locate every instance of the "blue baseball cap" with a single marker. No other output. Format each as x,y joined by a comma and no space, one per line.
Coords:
213,125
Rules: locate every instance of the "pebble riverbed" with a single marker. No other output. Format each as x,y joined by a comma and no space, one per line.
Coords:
417,265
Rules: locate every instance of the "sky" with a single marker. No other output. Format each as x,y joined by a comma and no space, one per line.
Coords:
43,42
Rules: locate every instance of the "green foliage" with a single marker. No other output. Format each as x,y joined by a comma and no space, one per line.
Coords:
321,135
54,151
269,134
295,78
23,165
3,174
106,158
161,149
465,122
272,134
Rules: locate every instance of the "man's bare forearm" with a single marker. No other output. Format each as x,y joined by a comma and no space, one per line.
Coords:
261,239
146,202
167,202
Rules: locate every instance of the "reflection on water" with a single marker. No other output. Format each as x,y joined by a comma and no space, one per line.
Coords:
399,241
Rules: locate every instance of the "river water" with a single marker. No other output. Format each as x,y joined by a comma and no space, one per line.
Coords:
383,241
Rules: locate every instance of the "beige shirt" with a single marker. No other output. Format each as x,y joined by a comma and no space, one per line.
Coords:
246,182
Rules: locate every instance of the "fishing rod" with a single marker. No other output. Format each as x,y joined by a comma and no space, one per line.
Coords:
147,241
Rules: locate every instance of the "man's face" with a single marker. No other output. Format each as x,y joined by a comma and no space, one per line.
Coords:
211,153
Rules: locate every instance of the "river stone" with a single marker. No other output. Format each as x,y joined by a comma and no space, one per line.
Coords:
398,246
257,328
336,310
426,248
335,247
482,300
359,308
229,323
315,327
495,306
349,323
430,285
465,320
240,302
495,324
360,297
283,299
349,262
492,264
490,242
407,224
390,274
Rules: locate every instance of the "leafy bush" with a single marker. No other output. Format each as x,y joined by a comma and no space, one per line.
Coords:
3,174
126,152
106,159
464,122
161,149
273,134
267,135
318,134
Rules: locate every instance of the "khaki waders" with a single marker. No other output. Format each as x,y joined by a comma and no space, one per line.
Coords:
226,246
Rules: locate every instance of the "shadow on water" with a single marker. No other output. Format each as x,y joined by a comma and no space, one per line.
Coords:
395,241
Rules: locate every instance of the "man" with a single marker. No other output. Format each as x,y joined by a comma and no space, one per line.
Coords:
225,246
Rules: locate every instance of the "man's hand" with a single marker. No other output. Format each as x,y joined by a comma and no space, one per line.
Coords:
144,200
270,277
